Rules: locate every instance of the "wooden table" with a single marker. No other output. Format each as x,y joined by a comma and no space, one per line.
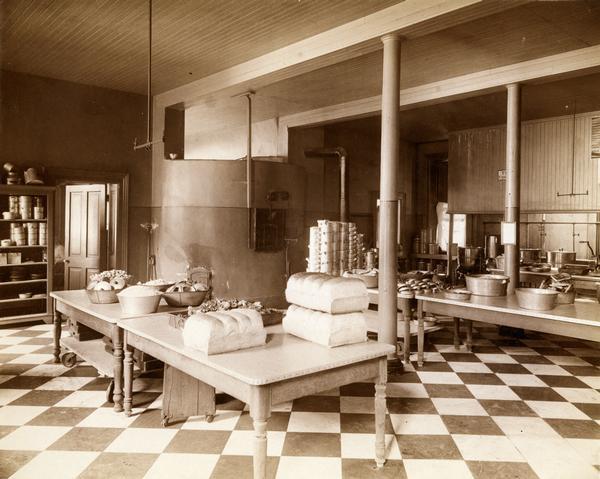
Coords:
102,319
286,368
579,320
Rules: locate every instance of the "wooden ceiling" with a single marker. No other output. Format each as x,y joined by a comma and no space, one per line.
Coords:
522,33
105,42
433,123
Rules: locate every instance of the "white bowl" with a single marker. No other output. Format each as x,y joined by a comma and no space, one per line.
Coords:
139,305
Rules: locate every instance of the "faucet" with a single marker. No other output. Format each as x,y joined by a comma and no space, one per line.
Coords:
594,257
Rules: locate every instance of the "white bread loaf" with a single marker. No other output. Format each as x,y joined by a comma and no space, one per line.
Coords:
223,331
329,294
327,329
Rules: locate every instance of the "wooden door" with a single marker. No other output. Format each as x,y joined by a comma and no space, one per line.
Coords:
85,233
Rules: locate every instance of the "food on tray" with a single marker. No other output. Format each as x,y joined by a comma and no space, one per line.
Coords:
218,304
326,293
326,329
219,332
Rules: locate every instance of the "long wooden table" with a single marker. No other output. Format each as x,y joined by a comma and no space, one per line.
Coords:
286,368
101,318
579,320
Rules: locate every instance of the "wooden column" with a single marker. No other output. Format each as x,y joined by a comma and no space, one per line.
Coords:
388,191
512,201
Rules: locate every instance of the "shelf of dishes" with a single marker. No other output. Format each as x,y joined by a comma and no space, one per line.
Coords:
24,281
43,220
22,298
27,263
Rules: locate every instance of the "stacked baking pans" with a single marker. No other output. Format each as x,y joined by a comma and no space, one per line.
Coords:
43,240
18,234
33,234
25,207
18,274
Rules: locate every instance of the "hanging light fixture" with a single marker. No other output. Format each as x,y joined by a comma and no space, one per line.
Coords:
148,144
572,193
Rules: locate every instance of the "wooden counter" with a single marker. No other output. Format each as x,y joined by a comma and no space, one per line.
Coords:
580,320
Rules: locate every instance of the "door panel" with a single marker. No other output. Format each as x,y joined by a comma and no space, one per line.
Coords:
85,233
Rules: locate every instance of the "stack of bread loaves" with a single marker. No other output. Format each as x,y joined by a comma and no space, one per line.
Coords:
325,309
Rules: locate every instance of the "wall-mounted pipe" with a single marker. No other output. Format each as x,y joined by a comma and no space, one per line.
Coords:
340,154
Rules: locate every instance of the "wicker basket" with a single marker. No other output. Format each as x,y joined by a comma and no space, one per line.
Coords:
102,296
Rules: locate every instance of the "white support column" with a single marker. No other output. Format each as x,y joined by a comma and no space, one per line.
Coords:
512,201
388,191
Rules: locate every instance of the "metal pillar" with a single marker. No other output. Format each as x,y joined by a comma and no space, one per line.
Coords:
512,201
388,191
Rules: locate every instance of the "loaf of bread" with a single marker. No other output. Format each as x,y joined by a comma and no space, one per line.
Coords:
329,294
327,329
223,331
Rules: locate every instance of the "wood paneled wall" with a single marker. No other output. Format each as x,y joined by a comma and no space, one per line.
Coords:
475,156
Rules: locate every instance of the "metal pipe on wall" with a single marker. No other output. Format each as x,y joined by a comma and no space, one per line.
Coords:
388,191
338,153
249,174
512,200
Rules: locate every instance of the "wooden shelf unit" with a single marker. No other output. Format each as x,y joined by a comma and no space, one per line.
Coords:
34,259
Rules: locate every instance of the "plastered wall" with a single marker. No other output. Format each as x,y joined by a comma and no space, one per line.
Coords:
61,124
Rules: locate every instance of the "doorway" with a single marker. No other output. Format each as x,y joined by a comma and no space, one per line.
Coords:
91,225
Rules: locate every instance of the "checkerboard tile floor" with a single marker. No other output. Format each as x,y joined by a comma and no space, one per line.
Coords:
512,408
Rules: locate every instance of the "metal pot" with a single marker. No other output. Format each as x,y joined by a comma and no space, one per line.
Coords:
536,299
492,246
530,255
487,284
560,258
470,257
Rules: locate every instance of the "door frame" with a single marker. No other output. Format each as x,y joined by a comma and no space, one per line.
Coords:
65,176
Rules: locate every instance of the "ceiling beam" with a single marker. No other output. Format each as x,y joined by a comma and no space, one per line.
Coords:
553,67
411,18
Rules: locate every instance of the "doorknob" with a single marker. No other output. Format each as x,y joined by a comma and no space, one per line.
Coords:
66,261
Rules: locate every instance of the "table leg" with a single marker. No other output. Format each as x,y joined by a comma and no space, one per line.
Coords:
128,378
469,334
406,316
456,333
380,407
117,340
57,332
420,334
260,411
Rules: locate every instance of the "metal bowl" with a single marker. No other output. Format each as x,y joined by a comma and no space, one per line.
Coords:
178,299
457,294
536,299
487,284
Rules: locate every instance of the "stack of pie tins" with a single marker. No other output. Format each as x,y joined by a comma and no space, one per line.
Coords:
18,274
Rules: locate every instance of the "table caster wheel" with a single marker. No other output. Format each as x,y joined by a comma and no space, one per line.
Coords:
68,360
210,418
109,392
164,421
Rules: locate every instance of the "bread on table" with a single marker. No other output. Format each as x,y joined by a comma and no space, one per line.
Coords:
223,331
